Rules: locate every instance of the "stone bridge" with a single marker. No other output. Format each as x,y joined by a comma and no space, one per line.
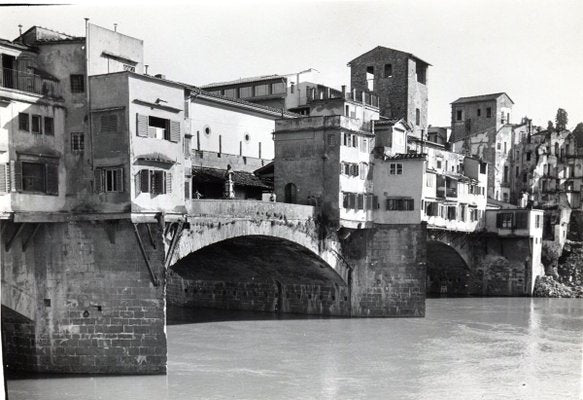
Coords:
87,293
478,263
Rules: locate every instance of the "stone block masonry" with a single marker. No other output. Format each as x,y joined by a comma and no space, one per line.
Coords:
96,309
389,269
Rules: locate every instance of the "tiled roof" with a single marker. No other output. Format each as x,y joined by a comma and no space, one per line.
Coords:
388,48
15,45
243,80
216,175
482,97
410,156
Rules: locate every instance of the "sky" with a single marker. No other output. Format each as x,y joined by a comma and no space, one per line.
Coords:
530,49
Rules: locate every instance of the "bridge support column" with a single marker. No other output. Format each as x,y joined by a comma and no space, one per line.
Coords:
85,298
388,277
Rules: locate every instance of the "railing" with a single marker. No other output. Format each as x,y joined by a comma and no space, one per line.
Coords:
451,192
26,81
363,97
255,209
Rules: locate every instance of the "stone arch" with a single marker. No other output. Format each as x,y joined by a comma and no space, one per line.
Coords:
201,234
274,266
448,270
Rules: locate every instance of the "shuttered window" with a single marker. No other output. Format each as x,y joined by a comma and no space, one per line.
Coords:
153,181
397,204
157,128
4,178
109,180
109,123
40,177
23,122
49,126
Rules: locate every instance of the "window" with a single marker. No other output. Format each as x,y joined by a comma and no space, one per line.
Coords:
517,172
246,91
388,70
159,128
400,204
537,221
363,145
370,77
23,122
347,110
438,163
36,127
37,177
396,169
506,174
505,148
498,146
261,90
463,208
451,212
483,168
360,201
504,220
108,123
331,140
127,67
354,139
458,115
479,112
363,170
528,156
277,88
421,71
230,92
77,142
505,197
417,117
77,83
473,214
489,112
521,220
524,177
109,180
49,126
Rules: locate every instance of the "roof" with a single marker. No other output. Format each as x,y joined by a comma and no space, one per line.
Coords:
409,156
45,75
216,175
281,111
388,48
244,80
19,46
501,204
481,97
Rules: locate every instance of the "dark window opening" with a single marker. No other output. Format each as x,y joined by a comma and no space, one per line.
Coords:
36,124
489,112
33,177
421,71
108,123
23,122
388,70
77,83
291,193
417,117
479,112
77,142
458,115
49,126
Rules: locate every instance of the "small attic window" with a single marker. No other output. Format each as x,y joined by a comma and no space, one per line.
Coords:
421,71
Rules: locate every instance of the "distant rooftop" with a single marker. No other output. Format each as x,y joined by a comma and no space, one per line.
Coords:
482,97
243,80
388,48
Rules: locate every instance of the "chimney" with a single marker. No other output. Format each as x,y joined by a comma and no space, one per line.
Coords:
343,90
19,29
115,27
146,66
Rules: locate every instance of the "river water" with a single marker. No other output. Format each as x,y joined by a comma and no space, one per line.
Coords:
465,348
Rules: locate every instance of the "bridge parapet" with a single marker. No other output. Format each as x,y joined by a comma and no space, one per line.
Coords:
247,209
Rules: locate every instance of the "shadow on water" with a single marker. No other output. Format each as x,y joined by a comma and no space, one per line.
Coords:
176,315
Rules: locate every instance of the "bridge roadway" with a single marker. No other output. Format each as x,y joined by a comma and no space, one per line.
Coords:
87,293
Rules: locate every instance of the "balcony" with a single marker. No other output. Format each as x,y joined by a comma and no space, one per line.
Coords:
28,82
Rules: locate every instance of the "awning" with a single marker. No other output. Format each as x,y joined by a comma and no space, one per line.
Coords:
154,157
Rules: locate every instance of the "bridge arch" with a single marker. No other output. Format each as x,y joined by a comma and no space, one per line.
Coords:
261,265
449,271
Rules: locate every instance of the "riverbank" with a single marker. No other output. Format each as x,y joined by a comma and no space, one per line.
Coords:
567,276
547,286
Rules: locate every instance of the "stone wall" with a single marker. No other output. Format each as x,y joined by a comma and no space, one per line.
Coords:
301,298
389,269
96,308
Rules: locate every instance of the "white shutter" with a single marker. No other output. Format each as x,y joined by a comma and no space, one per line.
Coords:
142,125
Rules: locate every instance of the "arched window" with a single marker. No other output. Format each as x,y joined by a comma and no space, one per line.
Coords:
291,193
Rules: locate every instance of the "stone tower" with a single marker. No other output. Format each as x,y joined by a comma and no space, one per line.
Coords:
400,81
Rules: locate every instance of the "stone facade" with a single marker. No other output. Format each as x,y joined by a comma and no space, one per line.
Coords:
400,81
88,305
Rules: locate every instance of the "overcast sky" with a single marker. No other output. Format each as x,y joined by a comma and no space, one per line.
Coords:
531,49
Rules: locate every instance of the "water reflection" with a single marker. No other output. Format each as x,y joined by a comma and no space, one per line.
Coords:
464,349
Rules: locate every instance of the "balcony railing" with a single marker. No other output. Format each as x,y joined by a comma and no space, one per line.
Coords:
27,81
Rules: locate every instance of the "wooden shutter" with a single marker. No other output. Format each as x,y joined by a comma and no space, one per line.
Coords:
138,182
142,125
174,131
4,186
168,182
52,178
119,179
16,175
145,180
98,180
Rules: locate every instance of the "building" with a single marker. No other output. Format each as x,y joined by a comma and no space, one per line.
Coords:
481,128
400,81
